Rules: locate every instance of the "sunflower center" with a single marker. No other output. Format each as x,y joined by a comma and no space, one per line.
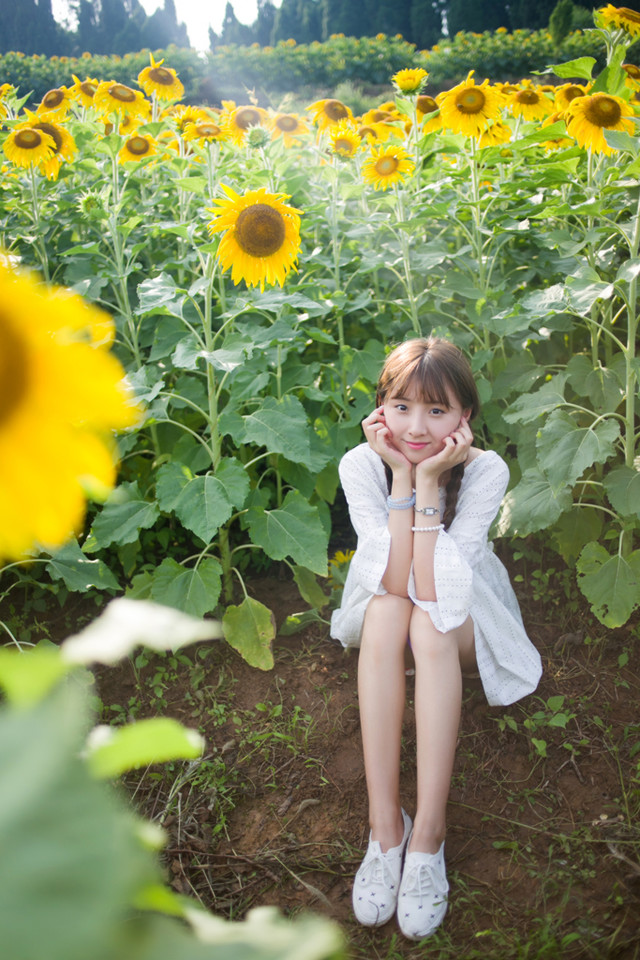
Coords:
426,104
573,91
53,132
53,99
119,92
260,230
13,371
208,130
286,124
628,14
367,132
28,139
379,116
527,96
138,146
346,146
471,100
603,111
335,110
161,75
88,88
247,117
632,70
385,166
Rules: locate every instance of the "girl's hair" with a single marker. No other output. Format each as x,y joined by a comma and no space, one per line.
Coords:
431,367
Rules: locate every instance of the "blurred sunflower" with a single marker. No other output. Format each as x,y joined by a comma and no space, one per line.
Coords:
529,102
56,103
376,132
555,143
6,89
205,131
127,125
410,80
64,145
163,81
61,395
137,147
26,147
621,18
344,140
386,166
241,119
83,90
328,112
588,117
468,108
111,97
497,133
288,126
182,114
262,236
567,92
633,75
378,115
426,106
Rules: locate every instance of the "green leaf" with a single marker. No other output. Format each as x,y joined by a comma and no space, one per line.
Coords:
293,530
202,503
310,590
620,140
160,294
532,505
580,69
78,572
530,406
122,518
194,590
600,385
281,427
26,677
623,490
582,293
197,185
113,750
573,530
567,450
611,584
250,629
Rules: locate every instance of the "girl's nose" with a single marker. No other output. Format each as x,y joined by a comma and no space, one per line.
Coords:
418,426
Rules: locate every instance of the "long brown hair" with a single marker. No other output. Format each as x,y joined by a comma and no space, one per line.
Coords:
431,366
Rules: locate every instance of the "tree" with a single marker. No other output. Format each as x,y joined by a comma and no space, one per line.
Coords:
561,20
232,30
288,21
162,28
426,23
477,15
393,16
264,22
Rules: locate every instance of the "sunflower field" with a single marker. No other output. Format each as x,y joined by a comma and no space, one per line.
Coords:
257,265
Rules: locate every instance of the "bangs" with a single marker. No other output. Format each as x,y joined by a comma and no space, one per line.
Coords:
424,379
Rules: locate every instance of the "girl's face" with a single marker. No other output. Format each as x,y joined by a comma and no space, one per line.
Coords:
418,429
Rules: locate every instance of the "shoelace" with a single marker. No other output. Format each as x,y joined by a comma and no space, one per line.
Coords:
425,878
377,870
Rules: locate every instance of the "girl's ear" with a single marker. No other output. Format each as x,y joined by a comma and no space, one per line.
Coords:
467,413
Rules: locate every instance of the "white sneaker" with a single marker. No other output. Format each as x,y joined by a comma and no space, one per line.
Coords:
422,902
375,889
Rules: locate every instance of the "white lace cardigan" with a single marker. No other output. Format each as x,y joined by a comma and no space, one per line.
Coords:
469,578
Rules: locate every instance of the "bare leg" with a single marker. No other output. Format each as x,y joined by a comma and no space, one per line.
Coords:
381,693
438,700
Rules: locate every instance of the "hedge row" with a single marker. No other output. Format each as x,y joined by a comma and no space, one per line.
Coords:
230,72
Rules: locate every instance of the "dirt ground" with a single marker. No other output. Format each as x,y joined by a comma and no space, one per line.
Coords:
543,851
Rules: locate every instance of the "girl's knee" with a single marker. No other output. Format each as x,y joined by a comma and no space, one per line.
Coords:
386,621
426,640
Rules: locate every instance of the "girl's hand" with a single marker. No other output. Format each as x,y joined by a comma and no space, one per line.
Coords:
456,450
379,438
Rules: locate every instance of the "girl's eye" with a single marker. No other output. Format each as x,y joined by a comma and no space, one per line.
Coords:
401,407
436,410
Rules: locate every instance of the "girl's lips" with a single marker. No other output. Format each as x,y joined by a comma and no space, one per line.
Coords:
415,446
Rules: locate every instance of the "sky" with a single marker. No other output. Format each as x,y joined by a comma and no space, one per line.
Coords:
198,15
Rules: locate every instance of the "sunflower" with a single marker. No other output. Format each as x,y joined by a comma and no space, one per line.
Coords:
64,144
288,126
163,81
182,114
621,18
205,131
567,92
557,143
588,117
241,119
428,108
56,103
61,395
6,90
497,133
529,102
376,132
326,113
111,97
262,236
386,166
633,76
26,147
411,80
468,108
344,139
83,90
378,115
137,148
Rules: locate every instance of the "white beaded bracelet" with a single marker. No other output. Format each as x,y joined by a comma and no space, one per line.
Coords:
401,503
438,526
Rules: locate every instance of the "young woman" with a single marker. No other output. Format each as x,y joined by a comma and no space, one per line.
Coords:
421,498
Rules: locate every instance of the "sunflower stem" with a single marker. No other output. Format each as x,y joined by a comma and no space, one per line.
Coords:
40,245
406,261
209,337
